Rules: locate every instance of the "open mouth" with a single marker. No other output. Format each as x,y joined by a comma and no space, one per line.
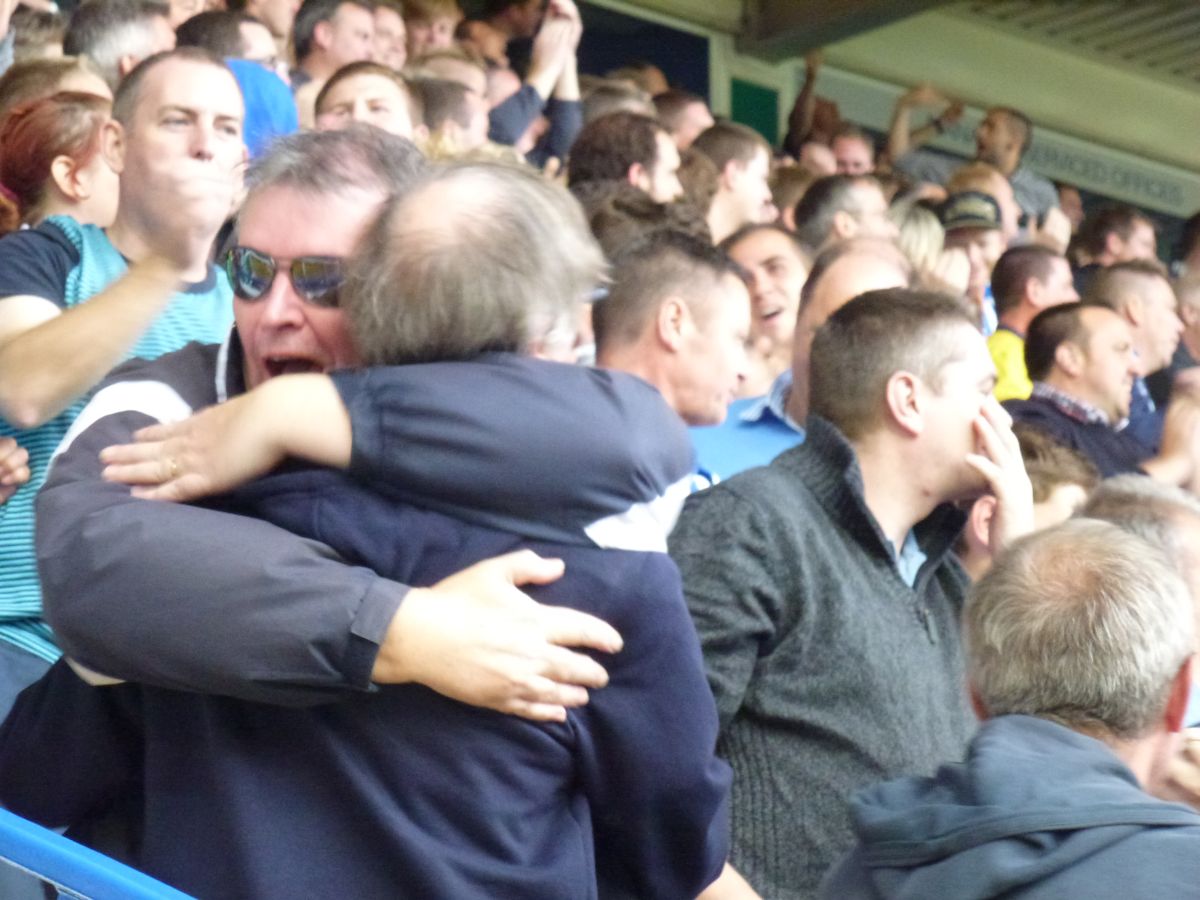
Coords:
291,365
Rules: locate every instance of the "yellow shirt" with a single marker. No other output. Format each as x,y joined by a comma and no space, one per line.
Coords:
1008,353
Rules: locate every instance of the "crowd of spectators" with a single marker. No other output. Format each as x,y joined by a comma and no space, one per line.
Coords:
427,470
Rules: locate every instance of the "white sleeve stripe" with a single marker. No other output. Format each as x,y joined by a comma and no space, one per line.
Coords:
95,679
153,398
644,526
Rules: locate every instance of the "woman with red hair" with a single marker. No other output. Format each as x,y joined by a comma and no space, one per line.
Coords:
52,162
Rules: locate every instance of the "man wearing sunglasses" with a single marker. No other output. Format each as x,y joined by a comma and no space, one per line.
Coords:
457,802
76,299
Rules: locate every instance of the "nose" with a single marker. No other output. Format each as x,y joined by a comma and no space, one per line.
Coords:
359,112
202,140
281,307
755,284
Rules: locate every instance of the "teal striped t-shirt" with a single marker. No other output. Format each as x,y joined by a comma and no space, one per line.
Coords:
202,312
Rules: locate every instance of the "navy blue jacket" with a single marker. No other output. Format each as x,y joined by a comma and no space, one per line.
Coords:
1112,452
403,793
1036,812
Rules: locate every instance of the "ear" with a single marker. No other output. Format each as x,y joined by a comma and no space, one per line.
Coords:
1068,356
977,704
1177,700
112,145
671,323
323,34
730,173
126,64
1035,291
1134,309
65,175
1188,314
979,523
1113,245
638,177
844,225
903,399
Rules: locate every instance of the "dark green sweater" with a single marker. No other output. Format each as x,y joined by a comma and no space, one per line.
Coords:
830,673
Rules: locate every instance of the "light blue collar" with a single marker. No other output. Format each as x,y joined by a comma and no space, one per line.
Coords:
774,403
910,559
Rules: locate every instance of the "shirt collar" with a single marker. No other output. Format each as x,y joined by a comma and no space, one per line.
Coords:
773,403
910,559
1079,410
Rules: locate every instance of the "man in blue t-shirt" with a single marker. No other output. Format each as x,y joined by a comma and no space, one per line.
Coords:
75,299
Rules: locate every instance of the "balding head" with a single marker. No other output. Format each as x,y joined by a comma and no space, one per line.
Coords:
839,273
1166,516
436,280
1083,624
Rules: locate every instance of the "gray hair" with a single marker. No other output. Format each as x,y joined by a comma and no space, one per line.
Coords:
478,257
1145,507
1084,624
329,162
106,30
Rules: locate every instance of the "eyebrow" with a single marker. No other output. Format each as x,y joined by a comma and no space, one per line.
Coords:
193,111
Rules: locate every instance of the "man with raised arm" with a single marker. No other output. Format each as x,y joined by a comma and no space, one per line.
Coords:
824,586
76,299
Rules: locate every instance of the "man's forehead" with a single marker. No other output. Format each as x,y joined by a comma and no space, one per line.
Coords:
191,84
869,194
365,85
874,270
668,154
763,245
271,217
760,162
349,10
1100,320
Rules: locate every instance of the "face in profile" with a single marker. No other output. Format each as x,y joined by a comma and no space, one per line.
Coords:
954,399
714,353
1108,364
661,180
752,191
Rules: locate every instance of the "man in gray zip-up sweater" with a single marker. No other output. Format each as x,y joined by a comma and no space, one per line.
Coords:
823,586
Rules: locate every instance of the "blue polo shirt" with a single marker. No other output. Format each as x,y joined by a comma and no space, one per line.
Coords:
755,431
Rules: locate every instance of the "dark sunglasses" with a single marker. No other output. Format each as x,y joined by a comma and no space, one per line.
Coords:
315,278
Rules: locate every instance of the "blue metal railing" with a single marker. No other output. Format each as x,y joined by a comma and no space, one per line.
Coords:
75,870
